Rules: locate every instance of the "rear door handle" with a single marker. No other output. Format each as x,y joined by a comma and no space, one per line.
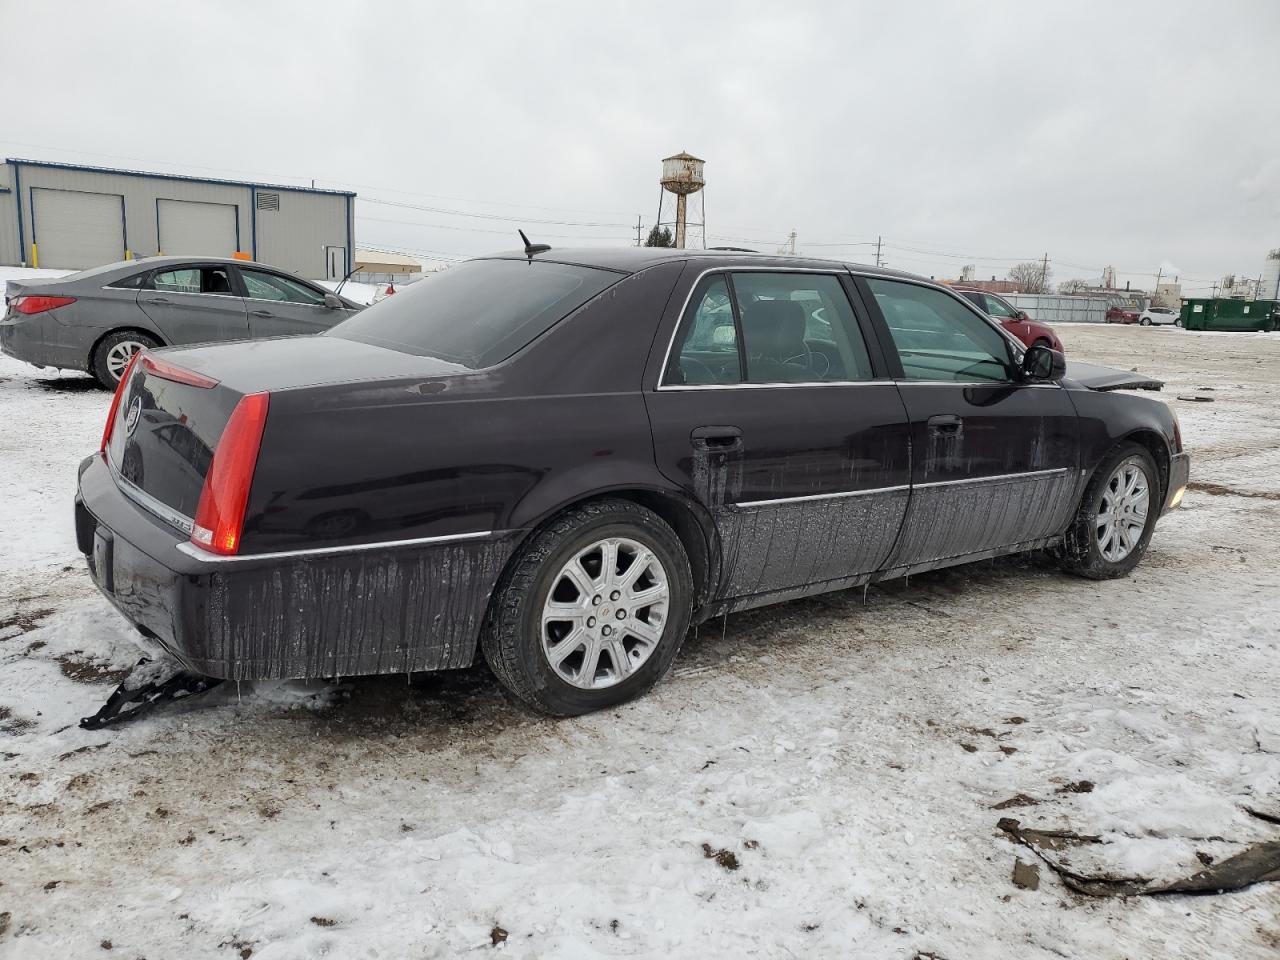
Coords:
720,436
263,313
157,300
945,423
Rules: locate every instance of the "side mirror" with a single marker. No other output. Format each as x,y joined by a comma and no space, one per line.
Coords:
1022,315
1043,364
333,303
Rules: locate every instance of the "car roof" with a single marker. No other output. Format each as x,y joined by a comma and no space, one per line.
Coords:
635,259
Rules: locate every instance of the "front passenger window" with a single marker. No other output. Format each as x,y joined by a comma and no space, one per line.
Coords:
270,286
938,338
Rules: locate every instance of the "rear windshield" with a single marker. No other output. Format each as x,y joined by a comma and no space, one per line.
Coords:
478,313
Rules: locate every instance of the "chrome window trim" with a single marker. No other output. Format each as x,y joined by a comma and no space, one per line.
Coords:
915,486
835,270
882,382
191,550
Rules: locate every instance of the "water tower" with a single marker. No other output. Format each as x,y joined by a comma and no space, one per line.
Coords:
682,176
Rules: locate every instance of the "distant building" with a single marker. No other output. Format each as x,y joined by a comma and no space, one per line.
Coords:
1168,295
71,217
373,266
987,286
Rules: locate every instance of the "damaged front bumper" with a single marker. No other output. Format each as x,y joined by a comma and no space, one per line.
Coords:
344,612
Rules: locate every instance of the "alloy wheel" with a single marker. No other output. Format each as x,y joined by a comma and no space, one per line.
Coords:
1122,510
120,354
605,613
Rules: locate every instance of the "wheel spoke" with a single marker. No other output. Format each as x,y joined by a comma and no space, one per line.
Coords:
647,632
557,653
590,663
618,656
575,574
639,564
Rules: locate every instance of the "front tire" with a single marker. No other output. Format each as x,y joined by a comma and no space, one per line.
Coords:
1145,322
592,610
114,351
1116,517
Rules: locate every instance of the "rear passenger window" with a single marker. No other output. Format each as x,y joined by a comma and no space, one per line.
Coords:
214,280
708,351
799,328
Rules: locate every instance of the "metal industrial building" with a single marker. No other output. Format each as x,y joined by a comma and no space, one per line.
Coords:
70,217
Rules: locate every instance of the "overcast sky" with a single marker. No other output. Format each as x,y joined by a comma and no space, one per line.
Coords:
1135,134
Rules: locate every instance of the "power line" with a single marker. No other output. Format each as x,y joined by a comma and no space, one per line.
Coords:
447,226
490,216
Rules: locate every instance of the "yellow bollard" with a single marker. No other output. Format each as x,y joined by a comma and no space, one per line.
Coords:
35,256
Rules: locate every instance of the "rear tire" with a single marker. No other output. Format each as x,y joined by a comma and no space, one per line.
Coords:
1117,515
566,649
112,354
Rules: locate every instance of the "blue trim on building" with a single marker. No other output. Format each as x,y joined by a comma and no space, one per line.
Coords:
175,176
124,226
17,193
351,235
253,221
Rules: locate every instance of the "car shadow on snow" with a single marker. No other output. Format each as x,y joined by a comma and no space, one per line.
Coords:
68,385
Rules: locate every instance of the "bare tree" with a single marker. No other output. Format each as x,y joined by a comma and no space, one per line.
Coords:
1031,277
1073,286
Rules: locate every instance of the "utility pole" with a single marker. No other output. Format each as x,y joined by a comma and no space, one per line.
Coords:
1044,275
791,241
1159,275
878,263
638,228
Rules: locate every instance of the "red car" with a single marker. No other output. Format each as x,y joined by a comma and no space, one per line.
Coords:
1123,315
1031,332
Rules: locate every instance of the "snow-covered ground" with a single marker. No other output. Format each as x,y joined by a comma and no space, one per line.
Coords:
819,779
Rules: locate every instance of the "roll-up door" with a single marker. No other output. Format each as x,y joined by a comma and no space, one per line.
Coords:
191,228
73,229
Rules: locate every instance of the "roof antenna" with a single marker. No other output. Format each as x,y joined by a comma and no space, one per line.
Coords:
531,248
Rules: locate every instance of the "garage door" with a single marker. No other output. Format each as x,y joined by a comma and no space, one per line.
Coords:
192,229
73,230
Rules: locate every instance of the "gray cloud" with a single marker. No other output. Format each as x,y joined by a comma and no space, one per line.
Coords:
1129,134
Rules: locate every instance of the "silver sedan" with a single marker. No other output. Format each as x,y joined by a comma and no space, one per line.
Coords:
96,320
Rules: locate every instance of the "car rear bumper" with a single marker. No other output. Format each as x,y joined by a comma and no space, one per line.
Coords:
392,609
38,339
1179,474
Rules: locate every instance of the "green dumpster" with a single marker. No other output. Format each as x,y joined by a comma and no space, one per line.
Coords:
1223,314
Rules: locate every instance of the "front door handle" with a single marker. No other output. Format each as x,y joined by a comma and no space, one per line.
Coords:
157,300
263,313
945,423
719,436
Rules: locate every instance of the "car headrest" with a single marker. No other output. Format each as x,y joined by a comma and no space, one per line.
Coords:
773,328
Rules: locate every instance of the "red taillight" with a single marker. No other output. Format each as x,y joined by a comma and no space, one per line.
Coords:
156,367
28,304
115,403
220,515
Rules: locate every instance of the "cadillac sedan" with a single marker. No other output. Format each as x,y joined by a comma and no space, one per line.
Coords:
560,460
97,319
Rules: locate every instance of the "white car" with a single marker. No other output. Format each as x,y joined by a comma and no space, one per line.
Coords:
1158,315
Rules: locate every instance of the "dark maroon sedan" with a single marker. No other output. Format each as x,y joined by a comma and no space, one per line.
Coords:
560,460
